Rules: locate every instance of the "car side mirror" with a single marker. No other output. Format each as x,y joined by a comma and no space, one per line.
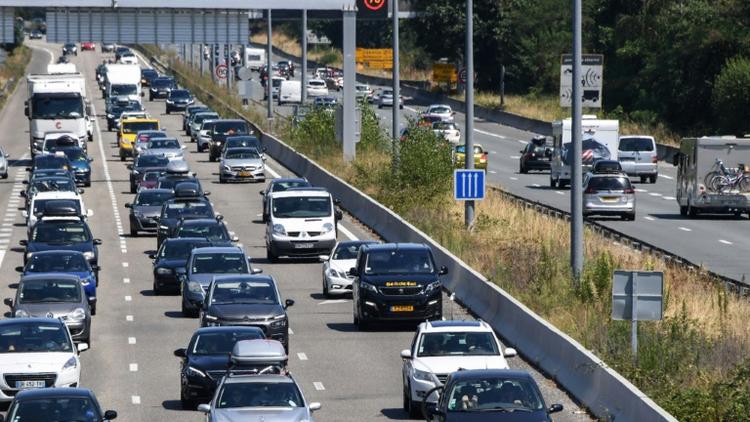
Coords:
288,303
314,406
338,215
19,269
82,347
152,255
256,271
129,167
22,194
180,353
353,272
92,301
90,159
110,415
323,258
406,354
510,352
89,212
23,242
8,302
97,241
25,214
262,193
205,408
183,146
80,190
128,205
555,408
443,270
143,94
206,193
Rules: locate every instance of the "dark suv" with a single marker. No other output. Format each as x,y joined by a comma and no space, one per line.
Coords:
396,282
221,130
536,155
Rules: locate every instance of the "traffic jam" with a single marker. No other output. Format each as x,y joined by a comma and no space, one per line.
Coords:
235,364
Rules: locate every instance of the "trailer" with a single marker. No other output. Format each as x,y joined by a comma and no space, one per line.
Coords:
600,141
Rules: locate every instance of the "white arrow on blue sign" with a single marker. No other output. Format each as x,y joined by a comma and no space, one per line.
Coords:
468,185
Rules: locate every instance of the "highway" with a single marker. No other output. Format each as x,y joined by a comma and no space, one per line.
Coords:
131,368
717,242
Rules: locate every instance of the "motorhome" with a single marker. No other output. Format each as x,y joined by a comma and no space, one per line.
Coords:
255,58
600,140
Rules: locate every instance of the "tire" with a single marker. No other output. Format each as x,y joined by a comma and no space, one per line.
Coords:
5,176
168,111
270,256
187,404
155,289
652,179
692,212
185,311
133,231
643,179
109,128
199,149
122,157
87,184
93,309
552,183
522,169
743,185
132,188
683,210
222,180
380,106
211,158
326,293
710,180
413,408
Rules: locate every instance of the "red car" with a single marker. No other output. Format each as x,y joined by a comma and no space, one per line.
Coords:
88,45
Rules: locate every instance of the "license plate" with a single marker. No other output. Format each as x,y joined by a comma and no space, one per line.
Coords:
303,245
402,308
245,174
29,384
609,198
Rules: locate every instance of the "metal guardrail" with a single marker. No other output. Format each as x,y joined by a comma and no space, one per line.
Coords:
590,380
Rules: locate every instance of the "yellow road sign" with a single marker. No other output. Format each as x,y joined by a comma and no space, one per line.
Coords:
374,54
444,72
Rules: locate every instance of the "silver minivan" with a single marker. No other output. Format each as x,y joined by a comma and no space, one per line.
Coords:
638,157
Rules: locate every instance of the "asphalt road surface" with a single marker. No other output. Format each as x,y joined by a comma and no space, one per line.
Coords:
131,368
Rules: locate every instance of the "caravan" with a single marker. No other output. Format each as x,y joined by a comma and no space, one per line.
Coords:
255,58
599,142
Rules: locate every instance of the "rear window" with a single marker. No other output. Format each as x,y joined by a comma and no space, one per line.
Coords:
636,144
609,183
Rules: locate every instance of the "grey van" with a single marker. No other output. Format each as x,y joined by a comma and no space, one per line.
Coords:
638,157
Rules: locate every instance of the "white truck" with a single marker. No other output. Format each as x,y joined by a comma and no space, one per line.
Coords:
123,80
57,103
713,175
600,141
255,58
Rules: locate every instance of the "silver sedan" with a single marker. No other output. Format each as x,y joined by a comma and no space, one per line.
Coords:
242,164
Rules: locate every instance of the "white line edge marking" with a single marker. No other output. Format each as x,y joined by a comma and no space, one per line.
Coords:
685,229
347,233
302,356
135,399
133,367
726,242
494,135
319,386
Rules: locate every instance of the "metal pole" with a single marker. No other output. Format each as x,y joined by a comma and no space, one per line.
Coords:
469,132
576,196
201,60
502,85
229,67
269,63
395,131
350,70
304,56
634,317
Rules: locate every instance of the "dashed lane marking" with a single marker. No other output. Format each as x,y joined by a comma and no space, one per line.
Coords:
302,356
331,301
129,318
649,218
135,399
726,242
667,177
133,367
484,132
319,386
131,340
685,229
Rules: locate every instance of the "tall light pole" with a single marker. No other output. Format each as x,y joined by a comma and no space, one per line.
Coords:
469,132
576,195
303,76
396,88
269,78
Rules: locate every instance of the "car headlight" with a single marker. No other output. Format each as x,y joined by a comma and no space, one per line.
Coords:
72,363
77,315
86,281
423,375
208,317
195,287
432,286
195,371
170,102
28,255
227,168
327,228
368,286
110,116
88,255
279,229
163,271
279,321
20,313
163,227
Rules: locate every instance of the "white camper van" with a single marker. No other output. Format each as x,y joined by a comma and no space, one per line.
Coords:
255,58
599,142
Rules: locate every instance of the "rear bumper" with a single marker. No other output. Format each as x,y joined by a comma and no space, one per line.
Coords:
639,169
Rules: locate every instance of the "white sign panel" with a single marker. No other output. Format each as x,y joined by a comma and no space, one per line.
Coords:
592,76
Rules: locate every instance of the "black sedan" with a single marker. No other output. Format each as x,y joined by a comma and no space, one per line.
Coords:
45,404
147,75
146,208
70,48
160,87
204,361
212,229
178,209
178,100
171,259
142,164
535,156
63,234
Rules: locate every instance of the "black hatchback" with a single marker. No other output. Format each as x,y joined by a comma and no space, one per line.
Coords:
46,404
170,260
537,155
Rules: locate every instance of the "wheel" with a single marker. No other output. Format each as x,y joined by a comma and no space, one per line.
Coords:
133,231
712,181
222,180
132,188
87,184
683,210
93,309
168,111
187,404
380,106
150,98
411,407
5,176
185,311
211,158
156,289
652,178
326,294
692,212
643,179
552,183
109,128
401,107
122,157
743,185
270,255
522,169
200,148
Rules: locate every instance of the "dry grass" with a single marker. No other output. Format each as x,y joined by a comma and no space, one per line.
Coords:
14,68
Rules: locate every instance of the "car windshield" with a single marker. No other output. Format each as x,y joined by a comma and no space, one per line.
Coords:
49,185
118,90
302,207
444,126
259,394
199,118
457,344
179,93
219,263
249,292
163,144
440,110
230,128
242,154
282,186
220,343
40,204
149,73
212,231
56,107
317,84
60,233
247,142
135,127
152,176
500,393
29,337
161,83
609,183
151,161
346,251
188,209
460,149
636,144
177,250
399,261
149,198
49,291
76,155
75,409
57,263
49,162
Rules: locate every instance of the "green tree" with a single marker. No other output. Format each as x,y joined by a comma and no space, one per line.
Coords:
731,96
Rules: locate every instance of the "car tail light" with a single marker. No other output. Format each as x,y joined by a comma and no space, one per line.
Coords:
629,190
590,190
483,158
701,188
654,160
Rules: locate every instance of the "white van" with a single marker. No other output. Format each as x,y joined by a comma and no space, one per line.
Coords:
638,157
39,201
290,92
255,58
302,222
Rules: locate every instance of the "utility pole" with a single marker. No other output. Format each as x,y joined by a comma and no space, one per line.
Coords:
350,79
303,68
469,132
269,82
396,89
576,195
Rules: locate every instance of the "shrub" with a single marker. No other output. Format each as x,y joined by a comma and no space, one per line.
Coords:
731,96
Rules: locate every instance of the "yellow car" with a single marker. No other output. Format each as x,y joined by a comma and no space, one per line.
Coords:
480,157
128,129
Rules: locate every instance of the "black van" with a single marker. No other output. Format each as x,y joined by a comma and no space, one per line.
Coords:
396,282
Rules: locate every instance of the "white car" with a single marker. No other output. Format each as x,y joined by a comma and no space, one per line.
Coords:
448,130
128,58
363,92
336,280
317,88
444,112
37,353
443,347
41,199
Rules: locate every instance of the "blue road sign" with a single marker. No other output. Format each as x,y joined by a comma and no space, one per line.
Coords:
468,185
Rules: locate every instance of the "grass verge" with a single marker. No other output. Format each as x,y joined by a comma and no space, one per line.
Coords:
692,363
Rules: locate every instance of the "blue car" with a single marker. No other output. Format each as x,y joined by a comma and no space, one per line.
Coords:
68,262
81,164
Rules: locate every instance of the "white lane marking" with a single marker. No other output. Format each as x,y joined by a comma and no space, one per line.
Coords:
135,399
131,340
128,298
536,185
484,132
640,190
726,242
513,178
125,264
291,331
347,233
559,192
649,218
685,229
302,356
493,172
126,280
523,142
331,301
319,386
515,157
273,172
133,367
129,318
655,194
413,110
669,198
667,177
493,152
